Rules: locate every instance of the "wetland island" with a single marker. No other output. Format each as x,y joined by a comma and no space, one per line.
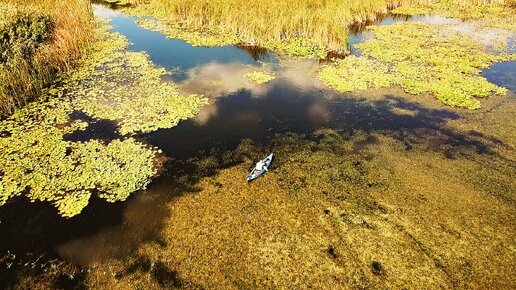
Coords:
128,128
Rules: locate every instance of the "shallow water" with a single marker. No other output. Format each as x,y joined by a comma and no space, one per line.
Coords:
502,74
178,55
238,110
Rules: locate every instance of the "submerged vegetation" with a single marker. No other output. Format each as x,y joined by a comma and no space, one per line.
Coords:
260,77
37,40
337,210
422,58
36,159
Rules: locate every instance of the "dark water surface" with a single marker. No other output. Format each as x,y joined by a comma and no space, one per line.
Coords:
178,55
33,233
502,74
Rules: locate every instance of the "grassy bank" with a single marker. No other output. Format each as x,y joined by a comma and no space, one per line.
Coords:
308,28
38,39
308,25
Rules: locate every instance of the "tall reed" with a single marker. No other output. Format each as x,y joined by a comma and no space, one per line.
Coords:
259,21
35,53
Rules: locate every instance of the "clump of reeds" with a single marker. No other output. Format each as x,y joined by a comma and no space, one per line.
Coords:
262,21
324,23
38,39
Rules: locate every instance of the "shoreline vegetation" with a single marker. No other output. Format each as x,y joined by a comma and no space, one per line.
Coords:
39,39
449,69
312,28
294,28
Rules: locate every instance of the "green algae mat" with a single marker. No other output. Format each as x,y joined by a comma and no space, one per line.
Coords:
422,59
219,36
260,77
37,161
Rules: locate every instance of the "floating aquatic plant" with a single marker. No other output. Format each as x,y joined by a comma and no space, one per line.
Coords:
36,161
130,91
126,87
356,74
297,46
260,77
196,36
422,58
113,84
487,13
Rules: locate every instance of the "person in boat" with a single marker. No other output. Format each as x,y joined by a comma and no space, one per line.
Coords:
260,166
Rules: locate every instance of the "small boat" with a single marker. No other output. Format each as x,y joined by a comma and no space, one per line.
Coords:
255,172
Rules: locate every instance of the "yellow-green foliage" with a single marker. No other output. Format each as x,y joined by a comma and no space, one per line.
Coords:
422,58
129,90
126,87
496,14
260,77
356,74
36,161
219,36
38,38
196,36
429,58
297,46
321,23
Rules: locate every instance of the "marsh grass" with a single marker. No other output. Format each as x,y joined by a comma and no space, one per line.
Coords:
39,39
302,28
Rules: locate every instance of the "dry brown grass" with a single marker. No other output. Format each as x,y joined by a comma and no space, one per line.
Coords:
275,24
71,27
263,21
